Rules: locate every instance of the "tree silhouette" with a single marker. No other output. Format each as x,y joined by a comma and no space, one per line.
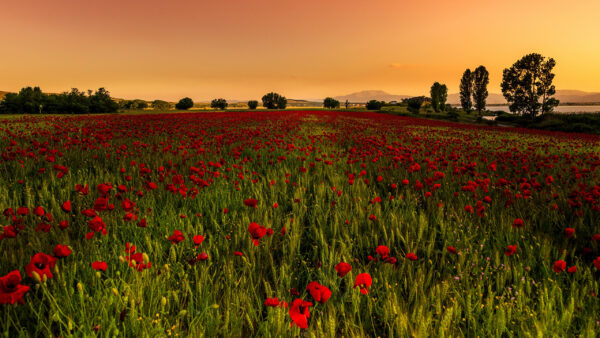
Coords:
528,81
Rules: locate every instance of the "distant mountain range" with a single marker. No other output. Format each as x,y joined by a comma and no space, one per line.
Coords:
565,96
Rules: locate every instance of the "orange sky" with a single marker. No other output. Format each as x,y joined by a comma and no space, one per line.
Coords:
303,49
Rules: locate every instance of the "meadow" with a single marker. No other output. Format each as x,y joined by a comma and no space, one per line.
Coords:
311,223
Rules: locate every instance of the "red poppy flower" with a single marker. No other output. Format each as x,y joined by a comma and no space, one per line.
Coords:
198,239
597,263
383,251
372,217
40,263
66,206
22,211
11,290
104,188
127,205
510,250
9,232
572,269
142,223
129,248
250,202
569,232
237,253
518,223
363,281
299,313
257,232
39,211
202,257
559,266
343,268
411,256
100,266
274,302
61,251
176,237
391,260
451,250
319,292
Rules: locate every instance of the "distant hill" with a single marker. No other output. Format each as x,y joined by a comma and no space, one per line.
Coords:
367,95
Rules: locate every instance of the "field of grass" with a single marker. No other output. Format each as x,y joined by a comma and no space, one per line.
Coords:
446,229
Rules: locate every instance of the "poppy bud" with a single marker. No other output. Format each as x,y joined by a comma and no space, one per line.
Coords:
163,302
36,276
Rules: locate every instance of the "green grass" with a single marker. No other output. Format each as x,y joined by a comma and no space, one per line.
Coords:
480,292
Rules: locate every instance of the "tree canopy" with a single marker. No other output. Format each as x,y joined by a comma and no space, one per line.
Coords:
527,85
466,91
218,104
439,95
274,101
184,104
481,78
331,103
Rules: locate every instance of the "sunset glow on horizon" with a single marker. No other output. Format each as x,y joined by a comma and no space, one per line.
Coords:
303,49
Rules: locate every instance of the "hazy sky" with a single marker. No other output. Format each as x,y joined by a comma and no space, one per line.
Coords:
302,49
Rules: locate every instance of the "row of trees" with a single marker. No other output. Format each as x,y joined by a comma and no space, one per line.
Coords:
33,101
270,101
526,86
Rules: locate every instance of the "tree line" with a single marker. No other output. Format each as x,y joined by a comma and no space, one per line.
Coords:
33,101
270,101
526,86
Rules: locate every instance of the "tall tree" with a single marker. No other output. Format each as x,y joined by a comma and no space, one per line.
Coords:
481,78
435,101
466,91
526,82
439,95
442,97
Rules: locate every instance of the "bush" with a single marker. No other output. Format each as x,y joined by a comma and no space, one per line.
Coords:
160,105
184,104
331,103
218,104
252,104
414,104
374,105
274,101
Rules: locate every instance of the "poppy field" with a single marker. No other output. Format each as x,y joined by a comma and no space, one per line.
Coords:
315,223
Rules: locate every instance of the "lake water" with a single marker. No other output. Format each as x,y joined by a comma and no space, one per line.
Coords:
559,109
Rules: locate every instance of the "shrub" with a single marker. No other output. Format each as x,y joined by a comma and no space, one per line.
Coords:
184,104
